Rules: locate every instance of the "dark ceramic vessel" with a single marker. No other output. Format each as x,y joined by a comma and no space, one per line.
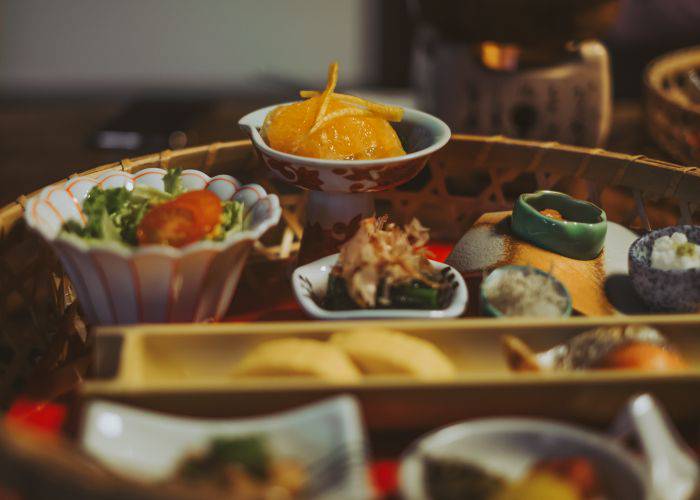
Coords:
671,291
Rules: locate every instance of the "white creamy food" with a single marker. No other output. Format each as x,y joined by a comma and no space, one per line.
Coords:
516,292
675,252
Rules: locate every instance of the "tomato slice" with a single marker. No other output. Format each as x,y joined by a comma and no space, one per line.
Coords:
205,205
169,224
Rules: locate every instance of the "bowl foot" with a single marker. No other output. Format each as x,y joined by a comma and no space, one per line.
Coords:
331,220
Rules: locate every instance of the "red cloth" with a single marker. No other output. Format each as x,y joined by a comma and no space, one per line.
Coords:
42,416
384,477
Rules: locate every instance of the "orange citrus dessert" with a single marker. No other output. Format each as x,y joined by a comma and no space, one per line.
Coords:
334,126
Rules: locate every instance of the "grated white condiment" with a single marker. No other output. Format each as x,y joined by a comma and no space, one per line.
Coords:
518,292
675,252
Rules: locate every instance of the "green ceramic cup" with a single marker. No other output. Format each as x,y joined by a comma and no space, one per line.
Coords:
581,236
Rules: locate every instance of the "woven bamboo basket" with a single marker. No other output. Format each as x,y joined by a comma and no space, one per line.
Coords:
42,331
673,116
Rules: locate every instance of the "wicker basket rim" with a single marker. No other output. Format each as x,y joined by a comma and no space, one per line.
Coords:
210,155
662,65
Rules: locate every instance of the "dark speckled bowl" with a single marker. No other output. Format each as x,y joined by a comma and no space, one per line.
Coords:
673,291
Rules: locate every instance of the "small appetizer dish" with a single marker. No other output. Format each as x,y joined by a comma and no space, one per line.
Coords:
664,267
605,348
559,223
155,246
519,459
282,456
381,272
342,143
524,291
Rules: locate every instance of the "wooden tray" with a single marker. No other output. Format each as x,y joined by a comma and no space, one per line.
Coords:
186,369
41,328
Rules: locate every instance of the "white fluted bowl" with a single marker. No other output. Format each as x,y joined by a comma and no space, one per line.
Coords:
117,284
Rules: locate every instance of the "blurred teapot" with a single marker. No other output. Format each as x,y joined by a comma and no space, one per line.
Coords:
521,69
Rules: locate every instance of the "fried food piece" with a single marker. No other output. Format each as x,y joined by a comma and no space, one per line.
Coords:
637,347
644,356
379,352
298,357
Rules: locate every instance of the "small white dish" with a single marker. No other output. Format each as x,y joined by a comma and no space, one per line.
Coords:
510,447
312,279
148,446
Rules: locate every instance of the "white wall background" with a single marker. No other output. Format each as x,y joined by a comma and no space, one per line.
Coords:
68,45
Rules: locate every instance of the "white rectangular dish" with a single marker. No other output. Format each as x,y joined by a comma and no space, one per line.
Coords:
327,439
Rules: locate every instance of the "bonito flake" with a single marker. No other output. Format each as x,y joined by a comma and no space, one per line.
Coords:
381,256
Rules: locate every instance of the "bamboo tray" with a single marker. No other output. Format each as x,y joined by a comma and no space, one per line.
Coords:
186,369
41,327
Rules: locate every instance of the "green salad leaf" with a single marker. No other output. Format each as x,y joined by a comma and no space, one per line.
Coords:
232,217
247,452
111,215
172,181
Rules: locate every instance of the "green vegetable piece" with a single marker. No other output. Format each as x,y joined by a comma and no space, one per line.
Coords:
172,181
115,199
94,205
111,214
231,217
415,295
150,194
250,452
74,227
109,230
129,217
337,297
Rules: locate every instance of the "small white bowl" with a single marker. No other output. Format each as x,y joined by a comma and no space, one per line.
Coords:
509,447
312,279
118,284
148,446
